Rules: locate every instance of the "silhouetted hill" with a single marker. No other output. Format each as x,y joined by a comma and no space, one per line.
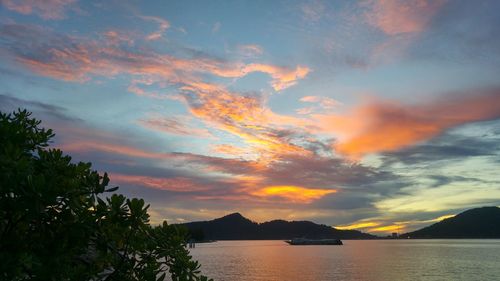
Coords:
237,227
475,223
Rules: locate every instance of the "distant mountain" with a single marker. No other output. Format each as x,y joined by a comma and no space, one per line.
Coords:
237,227
475,223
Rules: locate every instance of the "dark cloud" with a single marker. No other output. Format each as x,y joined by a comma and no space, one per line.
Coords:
447,147
347,200
440,180
324,172
41,110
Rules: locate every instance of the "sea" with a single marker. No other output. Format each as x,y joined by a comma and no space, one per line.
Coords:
371,260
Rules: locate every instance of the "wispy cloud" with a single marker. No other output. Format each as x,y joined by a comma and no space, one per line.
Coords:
250,50
163,25
395,17
320,104
313,11
78,59
177,126
283,77
46,9
325,102
216,27
116,37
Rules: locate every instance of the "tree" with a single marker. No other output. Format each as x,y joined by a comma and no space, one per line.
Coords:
56,223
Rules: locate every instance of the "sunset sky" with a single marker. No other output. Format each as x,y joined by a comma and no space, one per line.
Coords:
375,115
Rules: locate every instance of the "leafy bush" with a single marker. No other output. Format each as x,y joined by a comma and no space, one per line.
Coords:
56,224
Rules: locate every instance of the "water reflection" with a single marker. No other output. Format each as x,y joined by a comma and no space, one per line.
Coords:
356,260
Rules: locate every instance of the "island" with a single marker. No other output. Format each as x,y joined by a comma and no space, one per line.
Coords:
478,223
236,227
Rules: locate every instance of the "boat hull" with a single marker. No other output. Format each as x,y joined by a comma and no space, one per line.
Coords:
298,242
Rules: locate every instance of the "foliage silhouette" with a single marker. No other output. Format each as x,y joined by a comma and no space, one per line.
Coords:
56,224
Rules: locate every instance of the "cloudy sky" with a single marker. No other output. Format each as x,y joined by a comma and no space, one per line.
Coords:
374,115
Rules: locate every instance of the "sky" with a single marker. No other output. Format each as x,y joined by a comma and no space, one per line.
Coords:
376,115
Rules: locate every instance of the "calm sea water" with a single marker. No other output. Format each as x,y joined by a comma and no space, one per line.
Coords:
383,260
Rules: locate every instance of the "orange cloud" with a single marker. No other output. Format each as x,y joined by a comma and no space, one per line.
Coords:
72,58
178,184
47,9
395,17
282,77
295,194
83,146
245,116
390,126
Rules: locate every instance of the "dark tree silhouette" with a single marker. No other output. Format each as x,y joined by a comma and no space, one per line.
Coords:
56,223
